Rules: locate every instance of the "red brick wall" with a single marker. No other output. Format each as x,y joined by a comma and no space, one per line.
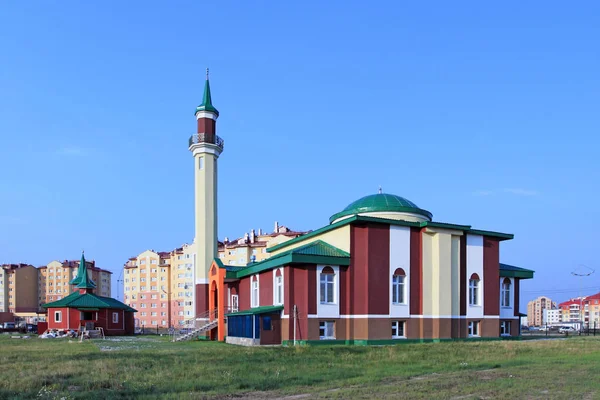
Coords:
359,262
416,272
265,288
379,269
491,276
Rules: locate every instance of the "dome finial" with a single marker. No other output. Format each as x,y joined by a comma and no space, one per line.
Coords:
206,73
380,190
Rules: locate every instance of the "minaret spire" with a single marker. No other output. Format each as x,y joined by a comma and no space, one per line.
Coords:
207,99
82,280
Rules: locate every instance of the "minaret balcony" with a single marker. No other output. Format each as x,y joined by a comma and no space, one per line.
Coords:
210,138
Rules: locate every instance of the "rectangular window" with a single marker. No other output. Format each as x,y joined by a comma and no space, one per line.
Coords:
398,289
254,299
234,303
505,328
474,292
279,290
505,293
115,317
57,316
201,163
474,329
153,305
266,323
397,329
327,330
327,288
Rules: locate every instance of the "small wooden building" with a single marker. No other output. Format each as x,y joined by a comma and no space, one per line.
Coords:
83,309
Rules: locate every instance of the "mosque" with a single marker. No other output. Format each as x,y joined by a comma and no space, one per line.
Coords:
382,271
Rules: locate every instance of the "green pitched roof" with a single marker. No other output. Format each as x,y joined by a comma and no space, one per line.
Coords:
510,271
82,280
364,218
317,252
256,310
207,99
88,300
381,202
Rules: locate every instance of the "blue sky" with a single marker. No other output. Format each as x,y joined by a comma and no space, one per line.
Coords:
485,115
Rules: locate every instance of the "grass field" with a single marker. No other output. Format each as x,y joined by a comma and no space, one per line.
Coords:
152,367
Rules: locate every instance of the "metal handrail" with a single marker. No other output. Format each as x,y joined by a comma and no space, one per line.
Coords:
197,323
211,138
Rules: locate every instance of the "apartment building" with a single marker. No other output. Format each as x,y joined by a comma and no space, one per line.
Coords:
535,310
58,274
146,280
252,247
19,289
552,317
182,284
584,309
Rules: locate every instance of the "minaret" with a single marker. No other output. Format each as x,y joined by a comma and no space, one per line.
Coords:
82,281
206,147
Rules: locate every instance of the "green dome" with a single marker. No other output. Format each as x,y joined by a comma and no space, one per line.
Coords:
381,202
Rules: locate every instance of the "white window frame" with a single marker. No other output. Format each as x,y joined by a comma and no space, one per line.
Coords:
324,325
235,304
505,293
254,291
59,315
277,284
474,286
473,329
399,289
115,317
323,296
505,328
396,326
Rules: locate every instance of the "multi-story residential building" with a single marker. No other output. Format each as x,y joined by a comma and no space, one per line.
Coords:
182,284
551,316
582,309
3,290
252,247
42,273
19,289
535,310
570,310
57,276
146,282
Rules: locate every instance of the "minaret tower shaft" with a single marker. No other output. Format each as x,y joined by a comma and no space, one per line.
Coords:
206,147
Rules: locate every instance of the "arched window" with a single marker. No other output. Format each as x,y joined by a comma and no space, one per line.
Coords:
474,290
278,287
254,291
327,285
398,287
505,293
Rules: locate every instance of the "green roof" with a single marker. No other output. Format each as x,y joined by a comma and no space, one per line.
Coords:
364,218
207,99
88,301
82,280
381,202
317,252
256,310
510,271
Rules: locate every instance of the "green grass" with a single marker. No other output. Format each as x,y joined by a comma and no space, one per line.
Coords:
154,367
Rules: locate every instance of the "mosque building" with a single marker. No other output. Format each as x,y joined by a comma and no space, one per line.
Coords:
382,271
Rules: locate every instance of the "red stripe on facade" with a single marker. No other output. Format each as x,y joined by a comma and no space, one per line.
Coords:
416,271
491,276
463,275
517,290
378,269
312,290
359,261
201,298
265,288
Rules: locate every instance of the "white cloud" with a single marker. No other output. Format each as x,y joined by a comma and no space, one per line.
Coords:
521,192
